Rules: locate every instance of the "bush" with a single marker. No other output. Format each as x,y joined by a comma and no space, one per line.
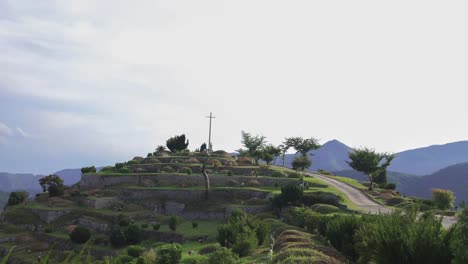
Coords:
107,169
324,172
124,170
304,218
208,250
301,163
16,198
117,236
394,201
167,169
144,226
135,251
340,232
325,208
195,259
91,169
156,226
295,175
177,143
52,184
390,186
291,194
460,238
133,234
132,162
186,170
140,260
224,256
194,224
125,259
443,199
168,254
80,235
174,221
48,230
277,174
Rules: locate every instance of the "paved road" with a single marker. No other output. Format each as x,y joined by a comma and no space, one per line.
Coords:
355,195
364,202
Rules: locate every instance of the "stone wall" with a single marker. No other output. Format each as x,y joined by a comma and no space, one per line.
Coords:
100,227
98,203
100,181
49,216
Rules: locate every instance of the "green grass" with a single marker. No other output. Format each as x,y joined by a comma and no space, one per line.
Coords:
349,181
205,228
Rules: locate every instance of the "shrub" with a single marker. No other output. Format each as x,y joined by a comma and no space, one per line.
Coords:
460,238
156,226
216,163
295,175
194,224
52,184
291,194
277,174
107,169
443,199
301,163
133,234
125,259
324,172
124,170
390,186
174,221
167,169
177,143
80,235
186,170
117,236
16,198
340,232
91,169
144,226
135,251
48,230
304,218
208,250
253,183
229,173
132,162
394,201
224,256
325,208
140,260
168,254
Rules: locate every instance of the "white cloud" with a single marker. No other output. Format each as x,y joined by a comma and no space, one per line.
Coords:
124,76
22,132
5,130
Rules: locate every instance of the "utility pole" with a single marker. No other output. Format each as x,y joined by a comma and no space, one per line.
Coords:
209,135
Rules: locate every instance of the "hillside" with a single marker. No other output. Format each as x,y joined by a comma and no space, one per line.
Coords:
427,160
454,178
12,182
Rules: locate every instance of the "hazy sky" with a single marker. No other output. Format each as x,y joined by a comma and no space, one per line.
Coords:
96,82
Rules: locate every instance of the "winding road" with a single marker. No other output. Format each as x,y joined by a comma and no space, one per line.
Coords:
363,201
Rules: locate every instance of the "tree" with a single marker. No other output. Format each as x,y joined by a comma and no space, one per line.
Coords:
159,149
460,239
253,145
80,235
169,254
17,198
301,163
174,221
52,184
443,199
177,143
270,153
91,169
284,149
202,147
133,234
117,236
302,145
369,162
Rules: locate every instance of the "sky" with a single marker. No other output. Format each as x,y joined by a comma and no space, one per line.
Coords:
98,82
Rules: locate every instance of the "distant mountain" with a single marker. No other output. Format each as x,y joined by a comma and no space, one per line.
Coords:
424,161
454,178
331,157
29,182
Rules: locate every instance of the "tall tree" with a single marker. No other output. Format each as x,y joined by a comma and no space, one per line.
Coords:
302,146
177,143
253,145
52,184
270,153
370,162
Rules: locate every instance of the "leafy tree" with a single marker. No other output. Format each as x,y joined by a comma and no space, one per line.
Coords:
17,198
270,153
91,169
253,145
369,162
203,147
160,149
52,184
443,199
135,251
169,254
291,194
80,235
301,163
302,145
284,148
133,234
223,256
174,221
117,236
177,143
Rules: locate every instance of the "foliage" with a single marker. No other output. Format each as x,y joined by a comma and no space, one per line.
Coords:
390,186
133,234
223,256
52,184
277,174
270,153
295,175
324,208
443,199
404,237
460,239
159,150
156,226
194,224
186,170
302,145
80,235
242,233
304,218
174,221
253,145
370,162
301,163
177,143
167,169
202,148
135,251
117,236
291,194
17,198
91,169
168,254
5,259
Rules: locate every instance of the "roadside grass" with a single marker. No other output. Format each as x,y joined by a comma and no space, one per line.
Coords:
349,181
